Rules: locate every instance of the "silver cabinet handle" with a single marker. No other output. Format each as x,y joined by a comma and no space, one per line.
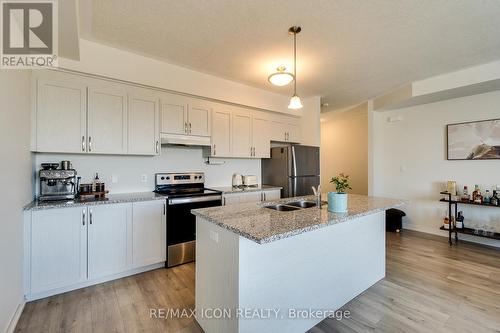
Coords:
83,143
285,136
90,216
186,127
223,201
90,143
164,208
83,217
189,128
264,194
215,150
157,146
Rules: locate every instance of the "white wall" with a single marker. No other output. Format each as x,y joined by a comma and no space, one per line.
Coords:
311,128
344,147
129,169
15,178
409,161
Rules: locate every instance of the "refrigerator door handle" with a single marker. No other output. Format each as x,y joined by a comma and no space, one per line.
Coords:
294,162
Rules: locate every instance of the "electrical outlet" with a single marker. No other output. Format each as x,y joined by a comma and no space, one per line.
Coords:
144,178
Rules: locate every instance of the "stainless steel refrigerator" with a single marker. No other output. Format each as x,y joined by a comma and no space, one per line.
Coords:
295,168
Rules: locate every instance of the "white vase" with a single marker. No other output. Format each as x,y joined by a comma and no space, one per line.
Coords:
337,202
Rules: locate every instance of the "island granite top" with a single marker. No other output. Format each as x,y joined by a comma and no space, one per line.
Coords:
264,225
88,201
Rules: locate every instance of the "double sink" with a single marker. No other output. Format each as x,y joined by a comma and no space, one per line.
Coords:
291,206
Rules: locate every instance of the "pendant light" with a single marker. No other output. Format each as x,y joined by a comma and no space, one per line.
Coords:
295,102
281,77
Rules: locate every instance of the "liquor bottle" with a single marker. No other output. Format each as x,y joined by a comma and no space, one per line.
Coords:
477,197
460,220
494,198
465,195
446,221
487,197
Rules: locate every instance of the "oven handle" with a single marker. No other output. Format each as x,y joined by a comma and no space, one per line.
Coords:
180,201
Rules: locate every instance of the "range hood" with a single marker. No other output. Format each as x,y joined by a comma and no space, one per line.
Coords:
184,140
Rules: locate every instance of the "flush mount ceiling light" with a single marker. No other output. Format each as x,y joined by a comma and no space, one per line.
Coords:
281,77
295,102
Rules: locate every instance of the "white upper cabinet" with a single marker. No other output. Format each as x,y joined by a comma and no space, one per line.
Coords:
149,233
293,131
58,248
143,124
75,113
60,115
221,131
174,113
199,118
261,127
107,119
285,129
242,134
184,116
110,239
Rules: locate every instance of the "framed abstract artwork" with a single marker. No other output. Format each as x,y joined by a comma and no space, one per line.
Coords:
476,140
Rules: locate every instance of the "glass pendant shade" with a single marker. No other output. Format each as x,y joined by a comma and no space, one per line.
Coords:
280,78
295,103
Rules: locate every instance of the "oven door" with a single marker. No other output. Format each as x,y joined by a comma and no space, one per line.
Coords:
181,226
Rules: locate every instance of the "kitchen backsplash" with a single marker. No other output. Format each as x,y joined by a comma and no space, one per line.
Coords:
128,171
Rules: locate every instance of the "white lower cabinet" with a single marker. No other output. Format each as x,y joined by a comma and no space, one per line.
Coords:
248,197
58,248
149,233
110,239
270,195
68,248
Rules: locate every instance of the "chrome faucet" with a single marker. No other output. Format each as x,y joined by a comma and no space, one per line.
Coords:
317,193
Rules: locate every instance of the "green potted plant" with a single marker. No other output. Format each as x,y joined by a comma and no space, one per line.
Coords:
337,201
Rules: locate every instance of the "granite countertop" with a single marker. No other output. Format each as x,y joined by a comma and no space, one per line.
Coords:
90,201
229,189
264,225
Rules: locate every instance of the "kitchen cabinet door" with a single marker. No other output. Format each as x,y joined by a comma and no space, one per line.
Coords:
143,125
278,131
260,137
107,119
199,119
174,115
270,195
149,242
221,132
61,115
110,239
248,197
293,133
242,134
58,248
231,199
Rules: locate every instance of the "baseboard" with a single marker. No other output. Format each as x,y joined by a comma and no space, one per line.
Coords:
15,318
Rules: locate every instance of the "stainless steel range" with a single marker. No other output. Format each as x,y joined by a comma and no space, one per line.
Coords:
183,192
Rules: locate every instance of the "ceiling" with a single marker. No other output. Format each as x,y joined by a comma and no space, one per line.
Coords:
348,50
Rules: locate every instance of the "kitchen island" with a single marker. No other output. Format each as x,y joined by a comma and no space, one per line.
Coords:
265,270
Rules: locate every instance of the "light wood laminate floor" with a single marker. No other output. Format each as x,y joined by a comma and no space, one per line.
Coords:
429,287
